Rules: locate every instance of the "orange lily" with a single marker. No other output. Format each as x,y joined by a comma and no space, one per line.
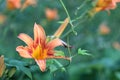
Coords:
13,4
105,5
40,48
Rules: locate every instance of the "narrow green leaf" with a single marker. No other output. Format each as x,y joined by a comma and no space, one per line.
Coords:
59,53
19,66
60,65
52,68
49,62
11,72
26,71
117,74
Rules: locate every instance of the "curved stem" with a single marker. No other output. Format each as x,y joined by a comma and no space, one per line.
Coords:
72,26
80,7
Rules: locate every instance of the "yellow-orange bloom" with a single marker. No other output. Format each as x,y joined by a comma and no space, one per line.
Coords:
51,14
116,45
40,48
13,4
105,5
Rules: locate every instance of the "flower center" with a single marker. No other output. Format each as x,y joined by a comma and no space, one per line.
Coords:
39,53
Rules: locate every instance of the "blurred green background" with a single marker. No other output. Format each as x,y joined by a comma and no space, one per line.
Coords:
104,64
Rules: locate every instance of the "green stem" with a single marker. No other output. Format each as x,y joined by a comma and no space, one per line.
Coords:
59,64
72,26
68,47
80,7
65,8
80,17
67,33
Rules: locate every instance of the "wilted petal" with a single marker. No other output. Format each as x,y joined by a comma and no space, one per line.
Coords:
39,33
23,52
2,66
27,39
54,43
41,64
66,45
61,28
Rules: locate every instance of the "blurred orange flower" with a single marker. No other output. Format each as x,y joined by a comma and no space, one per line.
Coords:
116,45
2,66
104,29
103,5
29,3
51,14
106,5
2,18
40,48
13,4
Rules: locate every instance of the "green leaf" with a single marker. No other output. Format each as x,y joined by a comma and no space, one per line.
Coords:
94,3
15,63
20,66
60,65
11,72
59,53
53,68
26,71
82,52
49,62
117,74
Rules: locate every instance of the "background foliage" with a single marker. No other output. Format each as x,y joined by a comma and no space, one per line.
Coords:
104,64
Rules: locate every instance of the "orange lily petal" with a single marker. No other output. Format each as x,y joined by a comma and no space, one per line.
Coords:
23,52
61,28
113,5
54,43
27,39
39,33
41,64
117,0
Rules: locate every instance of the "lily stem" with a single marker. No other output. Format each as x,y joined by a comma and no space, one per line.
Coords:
59,57
72,26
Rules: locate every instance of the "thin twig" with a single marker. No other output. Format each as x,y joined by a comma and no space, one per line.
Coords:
72,26
59,57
